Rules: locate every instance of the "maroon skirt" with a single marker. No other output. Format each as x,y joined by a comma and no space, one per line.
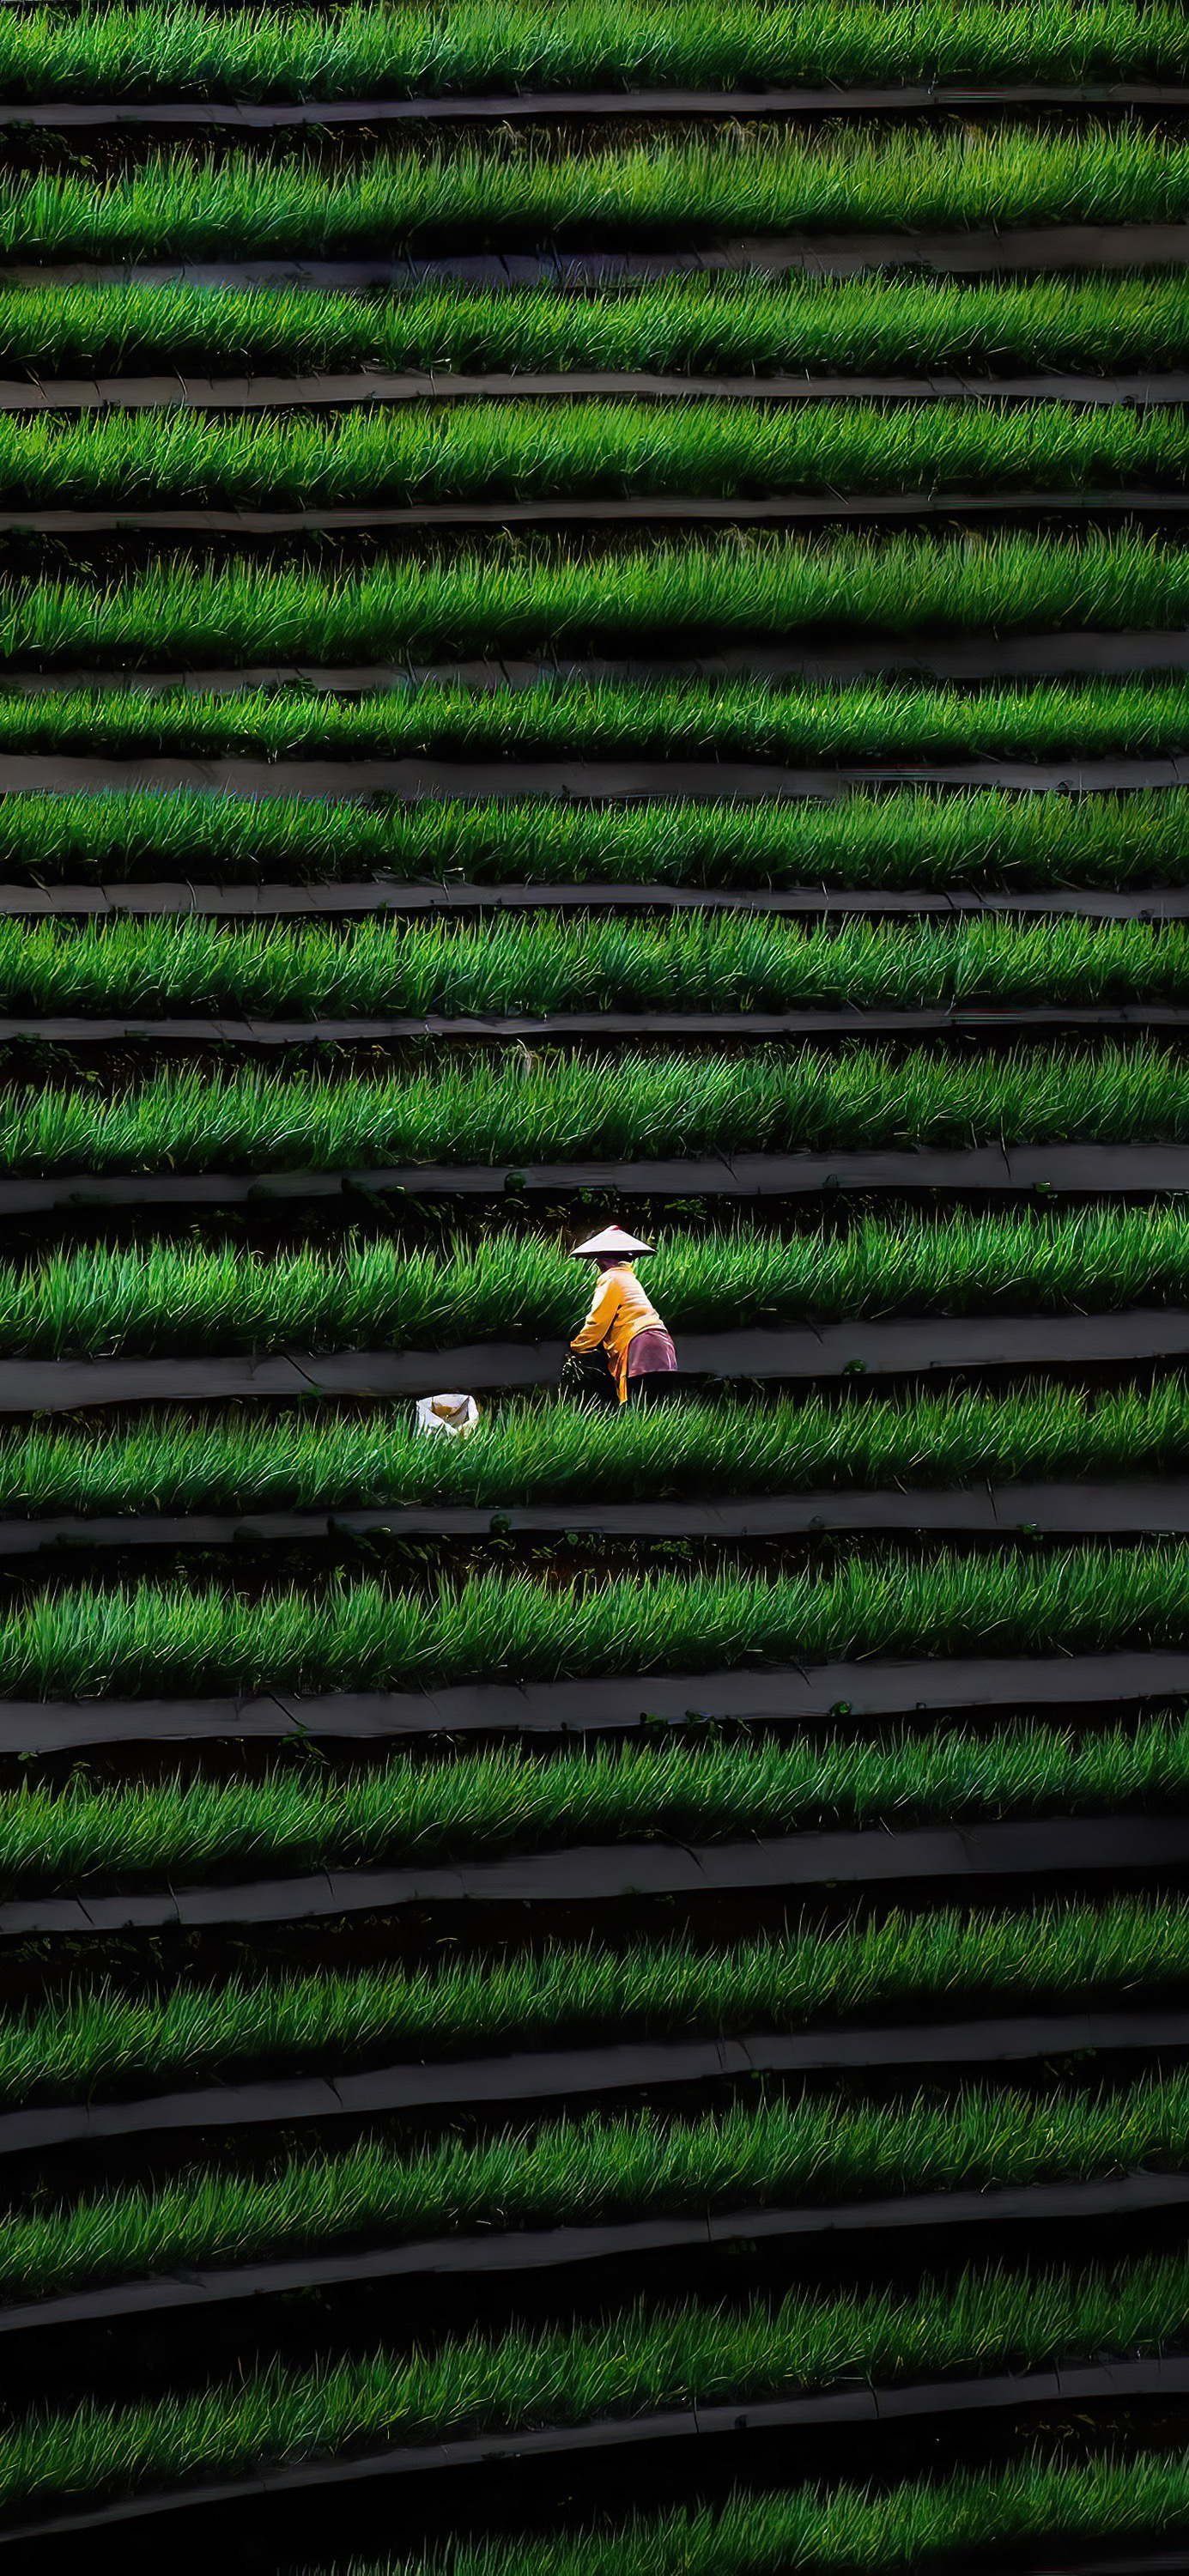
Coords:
651,1354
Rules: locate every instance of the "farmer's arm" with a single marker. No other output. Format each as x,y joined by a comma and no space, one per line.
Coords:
602,1315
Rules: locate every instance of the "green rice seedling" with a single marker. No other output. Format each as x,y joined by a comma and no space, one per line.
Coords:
79,2043
819,2149
550,1452
696,962
696,325
138,52
628,1105
646,2358
753,179
858,2530
175,1297
504,598
580,449
903,838
501,1802
83,1640
872,720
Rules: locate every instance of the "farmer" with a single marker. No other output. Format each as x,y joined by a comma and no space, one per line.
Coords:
622,1320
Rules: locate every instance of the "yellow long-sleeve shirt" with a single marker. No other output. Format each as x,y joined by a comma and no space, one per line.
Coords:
620,1309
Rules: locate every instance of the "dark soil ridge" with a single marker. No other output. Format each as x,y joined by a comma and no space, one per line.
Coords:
882,1854
911,1345
655,510
1069,2384
1037,248
782,1696
367,384
535,2250
1100,1170
900,98
1055,654
1159,1506
330,899
561,2075
85,1028
1163,2562
705,782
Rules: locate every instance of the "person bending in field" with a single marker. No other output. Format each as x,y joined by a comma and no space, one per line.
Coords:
622,1320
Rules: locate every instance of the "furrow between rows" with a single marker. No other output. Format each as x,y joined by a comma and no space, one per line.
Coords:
793,509
958,659
583,2075
1103,1170
794,1696
879,1857
604,106
1070,2386
739,1027
910,1346
263,392
1034,249
530,2251
1135,1508
270,902
510,781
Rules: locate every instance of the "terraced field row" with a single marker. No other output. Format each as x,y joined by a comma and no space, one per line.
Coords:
595,621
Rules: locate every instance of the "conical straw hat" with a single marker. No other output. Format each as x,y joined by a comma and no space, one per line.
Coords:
612,1239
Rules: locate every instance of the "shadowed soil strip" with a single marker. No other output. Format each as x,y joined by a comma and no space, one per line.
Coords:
1169,502
1103,654
563,1708
1102,1169
556,2074
1069,2385
591,1874
531,2250
1037,248
909,1345
1157,1505
378,384
1162,2562
272,902
80,1028
899,99
710,782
